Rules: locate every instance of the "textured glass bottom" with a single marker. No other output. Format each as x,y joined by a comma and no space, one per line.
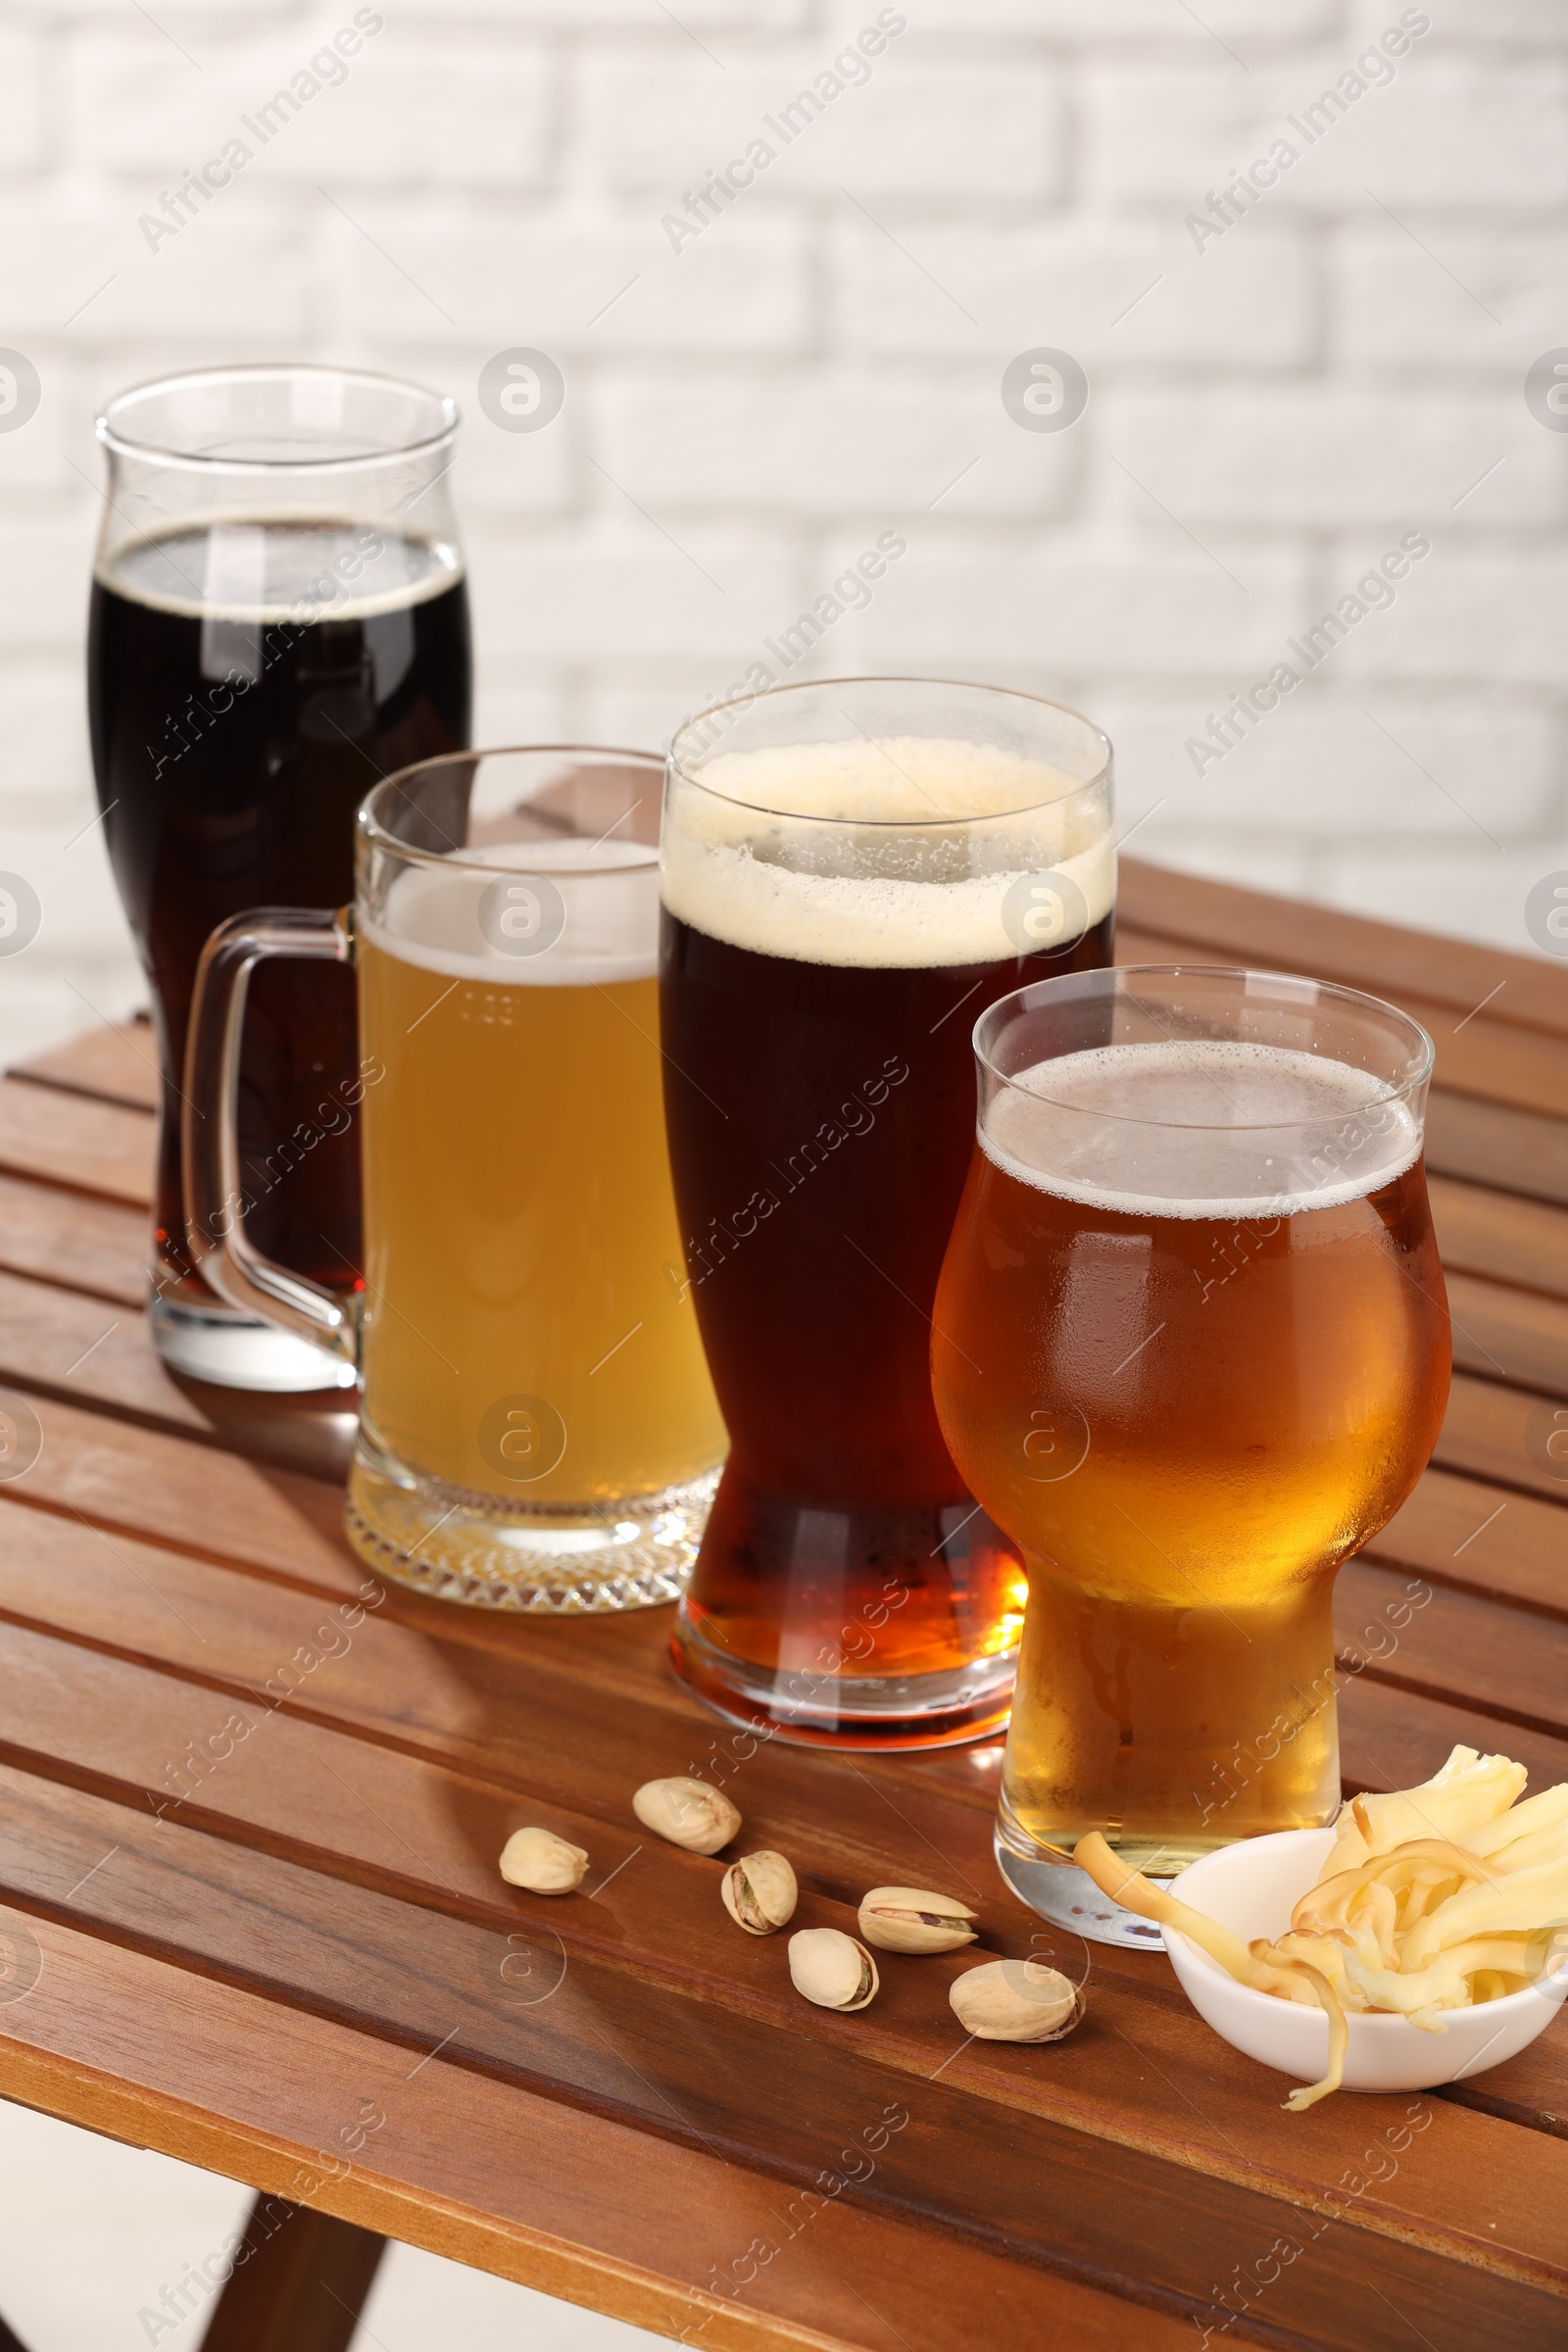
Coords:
855,1711
233,1351
557,1560
1054,1887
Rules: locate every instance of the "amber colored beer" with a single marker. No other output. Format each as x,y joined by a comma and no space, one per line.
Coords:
525,1334
1192,1351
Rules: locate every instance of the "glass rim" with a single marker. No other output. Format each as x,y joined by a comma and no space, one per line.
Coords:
1018,694
1088,984
153,451
371,832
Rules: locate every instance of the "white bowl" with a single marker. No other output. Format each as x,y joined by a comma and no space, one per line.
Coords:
1252,1888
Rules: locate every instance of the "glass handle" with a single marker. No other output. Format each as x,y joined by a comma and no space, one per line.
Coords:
215,1201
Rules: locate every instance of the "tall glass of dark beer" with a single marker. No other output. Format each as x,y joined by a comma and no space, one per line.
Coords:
279,617
1192,1349
851,871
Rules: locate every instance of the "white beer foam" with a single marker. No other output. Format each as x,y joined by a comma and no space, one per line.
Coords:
1284,1131
608,892
743,861
251,572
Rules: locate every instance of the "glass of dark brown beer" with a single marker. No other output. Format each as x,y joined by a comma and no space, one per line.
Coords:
1191,1349
852,870
279,617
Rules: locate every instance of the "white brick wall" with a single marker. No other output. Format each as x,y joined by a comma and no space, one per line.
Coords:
822,362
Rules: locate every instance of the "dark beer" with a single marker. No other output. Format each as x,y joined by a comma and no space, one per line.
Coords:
247,684
819,1094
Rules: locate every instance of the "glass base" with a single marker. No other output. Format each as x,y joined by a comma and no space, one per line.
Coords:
231,1350
1050,1882
551,1560
1069,1898
847,1711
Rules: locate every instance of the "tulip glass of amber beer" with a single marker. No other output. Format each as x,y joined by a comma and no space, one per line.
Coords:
1191,1349
852,872
538,1430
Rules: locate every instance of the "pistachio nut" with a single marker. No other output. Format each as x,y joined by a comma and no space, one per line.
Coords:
760,1893
908,1919
832,1968
688,1813
542,1862
1015,2000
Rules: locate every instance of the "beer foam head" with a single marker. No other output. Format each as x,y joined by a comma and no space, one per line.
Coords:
527,914
1198,1127
927,835
257,574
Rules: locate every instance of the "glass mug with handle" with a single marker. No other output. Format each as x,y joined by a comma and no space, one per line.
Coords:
537,1427
1191,1350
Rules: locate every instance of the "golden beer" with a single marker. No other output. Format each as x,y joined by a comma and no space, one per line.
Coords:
522,1237
1191,1350
537,1428
527,1327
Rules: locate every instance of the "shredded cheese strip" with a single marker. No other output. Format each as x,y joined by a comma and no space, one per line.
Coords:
1430,1900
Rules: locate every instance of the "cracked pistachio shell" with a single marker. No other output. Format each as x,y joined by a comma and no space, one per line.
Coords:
832,1968
760,1893
542,1862
910,1919
688,1813
1015,2000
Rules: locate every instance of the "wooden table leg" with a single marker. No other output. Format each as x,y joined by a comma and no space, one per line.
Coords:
300,2287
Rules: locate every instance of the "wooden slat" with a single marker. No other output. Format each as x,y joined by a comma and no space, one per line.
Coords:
1390,1738
1509,1334
215,1504
117,1062
1519,1151
619,2045
79,1245
1507,1239
402,1824
584,2208
515,1704
1454,1646
57,1138
333,1873
1149,2076
1461,1531
1290,935
99,1355
133,1484
1485,1433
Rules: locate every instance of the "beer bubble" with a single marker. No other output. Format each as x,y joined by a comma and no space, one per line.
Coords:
522,1439
20,1435
19,913
1042,913
1044,390
19,390
1546,1439
20,1961
1545,914
521,390
1053,1441
522,915
1547,390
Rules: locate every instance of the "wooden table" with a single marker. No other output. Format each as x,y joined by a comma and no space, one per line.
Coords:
251,1805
